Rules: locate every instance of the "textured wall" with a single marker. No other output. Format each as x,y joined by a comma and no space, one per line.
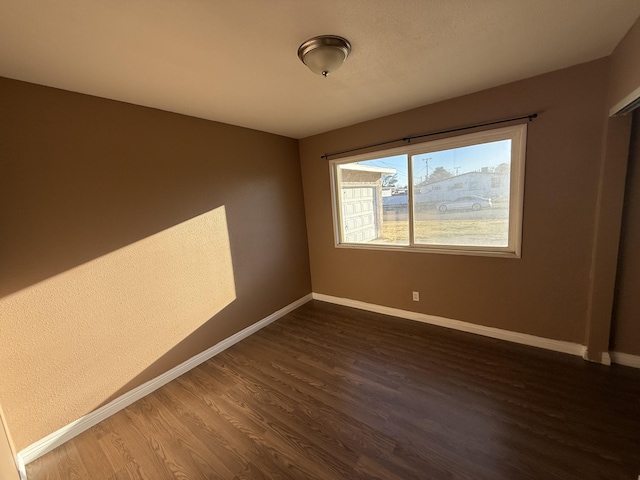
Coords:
132,239
543,293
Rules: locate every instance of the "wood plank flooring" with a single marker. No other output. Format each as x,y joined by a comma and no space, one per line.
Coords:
329,392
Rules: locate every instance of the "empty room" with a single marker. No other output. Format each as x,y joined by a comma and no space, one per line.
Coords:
385,240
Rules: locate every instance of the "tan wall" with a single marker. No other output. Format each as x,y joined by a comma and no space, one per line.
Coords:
608,224
626,328
132,239
544,293
625,67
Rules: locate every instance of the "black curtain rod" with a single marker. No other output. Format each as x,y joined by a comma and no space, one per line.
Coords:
409,138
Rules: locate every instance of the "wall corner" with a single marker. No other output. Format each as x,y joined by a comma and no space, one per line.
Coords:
607,231
10,467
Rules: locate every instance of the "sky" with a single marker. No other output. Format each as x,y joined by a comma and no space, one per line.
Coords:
457,160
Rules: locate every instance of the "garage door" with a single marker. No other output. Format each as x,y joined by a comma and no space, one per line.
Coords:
359,214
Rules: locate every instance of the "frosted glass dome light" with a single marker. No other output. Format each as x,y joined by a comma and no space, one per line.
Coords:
324,54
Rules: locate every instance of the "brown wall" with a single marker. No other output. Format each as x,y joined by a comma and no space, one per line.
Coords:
615,220
626,328
544,293
608,223
625,67
132,239
625,78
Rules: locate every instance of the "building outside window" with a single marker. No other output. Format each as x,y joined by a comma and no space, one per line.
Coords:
459,195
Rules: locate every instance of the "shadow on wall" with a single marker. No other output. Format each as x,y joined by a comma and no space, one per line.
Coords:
101,324
72,205
132,239
84,176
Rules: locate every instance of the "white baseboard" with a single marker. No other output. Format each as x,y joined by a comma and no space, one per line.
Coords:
57,438
605,358
515,337
625,359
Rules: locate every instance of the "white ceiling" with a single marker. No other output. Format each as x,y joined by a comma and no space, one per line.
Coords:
235,61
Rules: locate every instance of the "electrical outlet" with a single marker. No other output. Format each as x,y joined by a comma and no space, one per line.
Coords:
416,296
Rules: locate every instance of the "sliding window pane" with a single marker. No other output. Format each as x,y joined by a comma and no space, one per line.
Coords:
373,201
461,195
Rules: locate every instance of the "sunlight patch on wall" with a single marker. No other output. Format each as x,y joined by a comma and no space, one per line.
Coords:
71,341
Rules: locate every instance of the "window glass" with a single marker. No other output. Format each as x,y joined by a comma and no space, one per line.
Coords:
448,215
374,205
458,195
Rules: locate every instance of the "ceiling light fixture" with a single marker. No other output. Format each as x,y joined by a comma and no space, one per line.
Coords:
324,54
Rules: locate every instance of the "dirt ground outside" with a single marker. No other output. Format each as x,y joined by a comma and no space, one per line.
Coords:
448,230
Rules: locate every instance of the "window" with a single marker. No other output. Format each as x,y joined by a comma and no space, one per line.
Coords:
460,195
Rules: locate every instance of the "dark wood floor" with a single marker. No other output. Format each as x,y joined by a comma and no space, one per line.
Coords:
329,392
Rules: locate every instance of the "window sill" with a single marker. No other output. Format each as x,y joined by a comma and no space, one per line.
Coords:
474,252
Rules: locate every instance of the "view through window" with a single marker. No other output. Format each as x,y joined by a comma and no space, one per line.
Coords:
462,194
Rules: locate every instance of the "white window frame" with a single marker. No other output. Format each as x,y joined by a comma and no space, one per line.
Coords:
518,136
